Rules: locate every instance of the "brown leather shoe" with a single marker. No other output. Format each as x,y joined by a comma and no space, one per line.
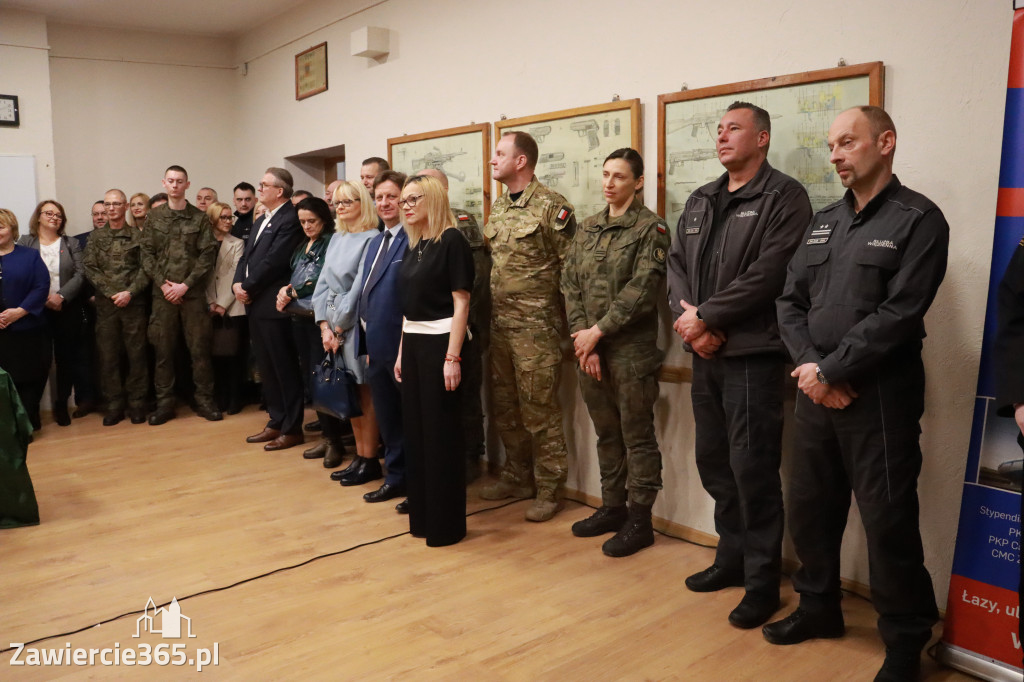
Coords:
284,441
263,436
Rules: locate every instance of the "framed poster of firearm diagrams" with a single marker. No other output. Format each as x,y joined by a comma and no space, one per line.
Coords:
573,145
801,106
461,153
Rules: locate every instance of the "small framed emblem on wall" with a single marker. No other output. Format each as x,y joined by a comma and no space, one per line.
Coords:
311,71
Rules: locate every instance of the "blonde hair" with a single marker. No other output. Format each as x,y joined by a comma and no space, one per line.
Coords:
439,213
355,191
8,219
129,217
213,212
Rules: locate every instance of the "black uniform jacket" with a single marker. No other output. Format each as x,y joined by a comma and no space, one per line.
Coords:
768,216
860,283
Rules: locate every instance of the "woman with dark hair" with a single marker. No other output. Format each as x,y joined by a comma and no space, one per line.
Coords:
334,309
297,298
64,310
25,349
230,330
436,279
612,279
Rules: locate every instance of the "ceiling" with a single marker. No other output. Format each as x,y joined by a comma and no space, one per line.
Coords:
191,17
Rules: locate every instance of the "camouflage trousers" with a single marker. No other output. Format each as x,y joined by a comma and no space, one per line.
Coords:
122,331
525,368
472,399
165,322
621,406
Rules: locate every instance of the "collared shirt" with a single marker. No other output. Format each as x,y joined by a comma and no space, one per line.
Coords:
390,242
266,223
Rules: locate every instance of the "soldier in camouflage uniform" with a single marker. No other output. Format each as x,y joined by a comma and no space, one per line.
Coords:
113,264
530,230
480,333
178,254
612,279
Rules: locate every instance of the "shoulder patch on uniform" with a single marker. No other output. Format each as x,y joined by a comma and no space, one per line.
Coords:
660,227
562,217
463,217
659,254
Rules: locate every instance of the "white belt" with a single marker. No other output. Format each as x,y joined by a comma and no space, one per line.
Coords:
427,326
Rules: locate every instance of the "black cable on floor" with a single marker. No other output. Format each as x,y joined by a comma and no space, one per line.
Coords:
244,581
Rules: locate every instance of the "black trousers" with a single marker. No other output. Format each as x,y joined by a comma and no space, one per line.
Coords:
436,474
72,353
25,355
872,449
737,409
278,361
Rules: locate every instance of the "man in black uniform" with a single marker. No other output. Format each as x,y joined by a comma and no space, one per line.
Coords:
851,316
726,267
245,202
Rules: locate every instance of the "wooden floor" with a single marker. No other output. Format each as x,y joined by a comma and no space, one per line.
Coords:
133,512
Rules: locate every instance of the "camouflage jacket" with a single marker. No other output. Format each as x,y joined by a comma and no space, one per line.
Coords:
480,297
529,238
614,275
179,246
113,261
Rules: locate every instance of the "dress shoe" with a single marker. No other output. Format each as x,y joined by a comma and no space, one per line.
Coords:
754,610
802,625
138,416
504,489
333,457
385,492
317,451
111,418
263,436
83,410
233,408
544,507
900,666
402,507
61,416
366,471
208,412
284,441
352,466
161,416
313,426
714,578
604,520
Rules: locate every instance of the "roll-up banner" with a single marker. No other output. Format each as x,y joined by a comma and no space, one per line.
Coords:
982,630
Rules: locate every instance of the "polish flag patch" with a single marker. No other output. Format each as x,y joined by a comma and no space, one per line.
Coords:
563,214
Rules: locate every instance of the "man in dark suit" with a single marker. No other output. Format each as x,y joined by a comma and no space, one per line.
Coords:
379,334
264,268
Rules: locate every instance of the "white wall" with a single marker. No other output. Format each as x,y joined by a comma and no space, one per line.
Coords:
25,72
128,104
453,63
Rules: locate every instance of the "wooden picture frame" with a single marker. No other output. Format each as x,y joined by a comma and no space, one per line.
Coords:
462,153
801,105
573,145
311,71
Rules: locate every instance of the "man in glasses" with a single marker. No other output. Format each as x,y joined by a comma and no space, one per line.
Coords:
178,254
264,268
113,265
530,230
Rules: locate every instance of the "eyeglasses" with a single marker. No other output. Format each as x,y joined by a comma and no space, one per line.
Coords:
410,201
264,185
345,203
111,204
52,214
225,217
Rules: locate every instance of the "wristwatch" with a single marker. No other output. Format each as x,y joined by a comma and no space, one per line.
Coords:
821,377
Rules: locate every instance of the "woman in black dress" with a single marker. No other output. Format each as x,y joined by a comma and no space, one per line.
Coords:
435,280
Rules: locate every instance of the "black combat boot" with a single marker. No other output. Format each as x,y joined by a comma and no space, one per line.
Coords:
900,666
604,520
636,534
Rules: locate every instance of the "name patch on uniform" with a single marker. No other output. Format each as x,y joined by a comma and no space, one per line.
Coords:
882,244
693,222
746,214
820,234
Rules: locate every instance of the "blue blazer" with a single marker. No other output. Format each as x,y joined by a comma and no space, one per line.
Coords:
383,313
268,261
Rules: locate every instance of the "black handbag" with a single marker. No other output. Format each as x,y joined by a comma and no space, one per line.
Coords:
303,279
333,388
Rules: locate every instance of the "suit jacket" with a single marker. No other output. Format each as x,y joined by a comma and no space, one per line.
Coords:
72,274
218,287
383,312
265,265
